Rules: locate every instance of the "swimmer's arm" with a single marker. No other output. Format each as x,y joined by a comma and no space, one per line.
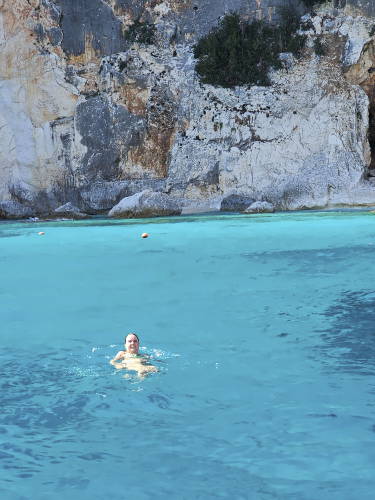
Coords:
148,369
152,369
118,366
119,355
142,374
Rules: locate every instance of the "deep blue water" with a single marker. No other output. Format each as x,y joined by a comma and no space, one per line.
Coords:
263,330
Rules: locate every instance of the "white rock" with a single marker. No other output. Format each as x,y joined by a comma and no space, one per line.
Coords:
260,207
69,210
67,207
146,204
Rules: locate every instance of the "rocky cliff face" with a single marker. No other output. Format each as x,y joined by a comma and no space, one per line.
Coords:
357,7
87,117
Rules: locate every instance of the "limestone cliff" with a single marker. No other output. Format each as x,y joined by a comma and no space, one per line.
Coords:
88,117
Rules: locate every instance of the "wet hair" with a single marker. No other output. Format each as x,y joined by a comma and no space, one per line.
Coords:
131,333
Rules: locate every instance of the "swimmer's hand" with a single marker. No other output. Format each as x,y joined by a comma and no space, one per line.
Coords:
148,369
118,366
142,374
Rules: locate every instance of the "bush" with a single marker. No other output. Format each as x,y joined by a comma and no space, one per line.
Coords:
319,48
242,53
311,3
289,23
141,32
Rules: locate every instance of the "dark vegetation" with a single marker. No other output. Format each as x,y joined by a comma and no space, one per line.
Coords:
311,3
242,53
141,32
320,48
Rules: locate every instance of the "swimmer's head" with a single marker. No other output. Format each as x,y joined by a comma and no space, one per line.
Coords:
132,343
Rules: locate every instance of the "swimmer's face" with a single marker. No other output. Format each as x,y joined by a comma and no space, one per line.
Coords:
132,344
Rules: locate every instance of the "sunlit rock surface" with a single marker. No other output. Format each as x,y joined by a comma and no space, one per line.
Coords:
89,119
147,203
70,211
260,207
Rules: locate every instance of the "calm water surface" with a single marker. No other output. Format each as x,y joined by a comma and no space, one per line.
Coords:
263,330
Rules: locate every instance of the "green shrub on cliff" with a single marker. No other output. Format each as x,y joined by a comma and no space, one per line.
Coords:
242,53
320,48
141,32
313,3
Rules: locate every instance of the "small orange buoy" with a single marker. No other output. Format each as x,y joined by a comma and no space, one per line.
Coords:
41,233
144,235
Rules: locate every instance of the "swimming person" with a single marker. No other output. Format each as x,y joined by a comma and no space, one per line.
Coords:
131,360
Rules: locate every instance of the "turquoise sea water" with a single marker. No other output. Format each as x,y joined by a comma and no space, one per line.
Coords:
263,330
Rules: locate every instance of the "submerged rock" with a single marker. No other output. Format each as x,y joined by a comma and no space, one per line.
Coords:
260,207
147,203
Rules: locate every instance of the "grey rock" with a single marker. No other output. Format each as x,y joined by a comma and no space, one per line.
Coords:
95,19
108,131
55,36
147,203
287,59
69,210
101,196
260,207
236,203
367,7
307,24
14,210
53,10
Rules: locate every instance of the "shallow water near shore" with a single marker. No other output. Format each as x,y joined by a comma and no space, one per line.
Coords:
263,331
